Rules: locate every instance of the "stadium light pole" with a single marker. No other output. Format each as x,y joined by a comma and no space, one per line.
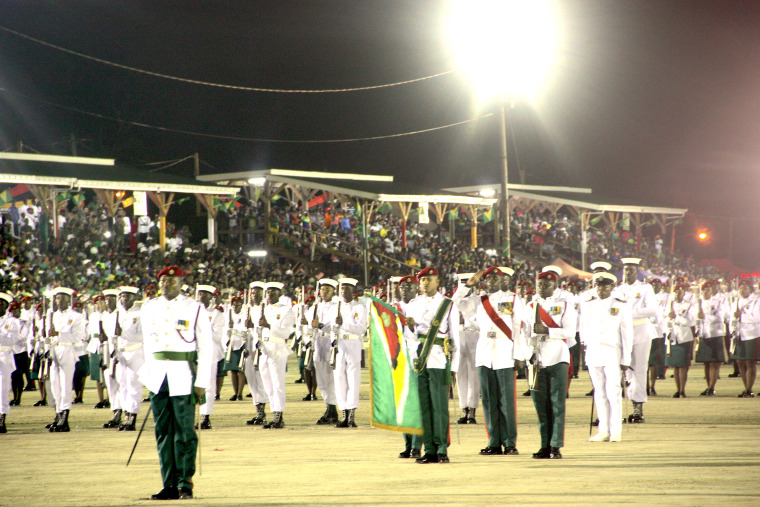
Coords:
506,49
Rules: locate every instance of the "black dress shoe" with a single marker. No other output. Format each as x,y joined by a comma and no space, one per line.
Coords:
166,494
100,404
234,397
30,387
703,393
216,398
491,451
428,458
406,453
416,453
41,403
249,395
734,375
299,381
306,398
527,393
677,395
443,458
511,451
185,494
555,454
590,393
595,423
543,453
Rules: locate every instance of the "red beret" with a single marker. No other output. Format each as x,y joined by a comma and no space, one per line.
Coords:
427,272
310,298
236,298
25,298
408,279
150,293
448,294
171,271
523,282
745,281
217,293
15,305
150,287
492,270
77,304
308,289
548,275
383,295
684,286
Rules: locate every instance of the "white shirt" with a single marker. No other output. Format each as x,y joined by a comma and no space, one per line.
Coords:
606,328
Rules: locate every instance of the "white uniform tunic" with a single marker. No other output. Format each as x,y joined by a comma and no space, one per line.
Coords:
423,309
554,348
70,327
468,380
131,358
325,313
348,367
218,331
7,362
281,320
177,325
748,324
112,372
640,297
686,317
714,310
606,329
252,373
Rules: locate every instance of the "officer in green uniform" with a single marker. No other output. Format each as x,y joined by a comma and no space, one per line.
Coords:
179,367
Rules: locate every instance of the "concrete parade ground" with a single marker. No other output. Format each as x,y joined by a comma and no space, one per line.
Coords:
693,451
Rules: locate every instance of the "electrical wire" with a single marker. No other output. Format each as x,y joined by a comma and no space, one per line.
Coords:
217,85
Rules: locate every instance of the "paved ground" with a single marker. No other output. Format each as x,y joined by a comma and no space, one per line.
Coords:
693,451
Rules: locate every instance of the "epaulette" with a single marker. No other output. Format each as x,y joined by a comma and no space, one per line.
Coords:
621,300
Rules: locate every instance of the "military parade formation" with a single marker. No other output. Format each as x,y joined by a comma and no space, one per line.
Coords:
179,342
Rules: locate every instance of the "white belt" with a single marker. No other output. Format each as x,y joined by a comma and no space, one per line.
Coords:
350,337
130,348
272,339
639,322
61,344
4,348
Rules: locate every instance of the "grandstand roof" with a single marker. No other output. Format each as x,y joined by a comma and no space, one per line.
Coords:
83,172
366,186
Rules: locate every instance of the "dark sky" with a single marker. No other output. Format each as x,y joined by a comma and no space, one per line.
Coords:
652,102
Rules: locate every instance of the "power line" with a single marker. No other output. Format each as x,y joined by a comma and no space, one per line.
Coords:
216,85
247,139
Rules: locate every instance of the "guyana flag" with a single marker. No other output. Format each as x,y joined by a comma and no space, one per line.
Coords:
393,385
487,215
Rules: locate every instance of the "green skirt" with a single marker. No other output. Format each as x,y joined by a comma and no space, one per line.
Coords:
710,350
746,349
82,368
95,367
232,364
657,352
680,355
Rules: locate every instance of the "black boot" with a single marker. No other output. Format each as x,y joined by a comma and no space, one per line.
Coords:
53,424
261,416
206,422
3,429
465,416
330,416
116,421
344,422
351,423
130,426
277,421
63,424
126,422
471,417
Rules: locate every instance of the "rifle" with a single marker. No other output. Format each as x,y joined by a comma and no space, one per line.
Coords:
336,337
259,336
533,364
230,332
114,355
104,352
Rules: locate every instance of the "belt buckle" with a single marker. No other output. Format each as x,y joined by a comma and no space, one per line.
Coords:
492,334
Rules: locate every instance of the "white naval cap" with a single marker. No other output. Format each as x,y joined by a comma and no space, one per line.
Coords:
256,285
507,271
395,279
111,292
274,285
349,281
129,288
206,288
6,297
600,265
631,260
67,291
553,269
328,281
605,276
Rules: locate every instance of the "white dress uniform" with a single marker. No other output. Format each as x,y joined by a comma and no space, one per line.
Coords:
325,313
348,367
131,357
468,381
8,333
643,307
275,352
70,326
177,325
748,325
305,332
112,372
606,329
686,318
253,374
218,330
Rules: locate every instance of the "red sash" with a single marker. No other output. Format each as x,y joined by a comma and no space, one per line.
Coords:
401,316
495,316
546,318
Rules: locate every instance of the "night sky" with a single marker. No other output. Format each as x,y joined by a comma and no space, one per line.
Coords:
655,102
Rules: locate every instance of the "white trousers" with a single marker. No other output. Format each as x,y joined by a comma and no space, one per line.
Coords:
608,397
325,381
637,375
62,385
5,392
273,377
468,381
130,389
348,374
255,383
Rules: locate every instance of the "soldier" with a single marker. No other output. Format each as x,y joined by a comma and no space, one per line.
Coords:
499,315
467,381
277,322
323,322
94,348
681,318
66,329
177,371
130,356
253,360
82,367
435,320
746,327
111,331
20,331
552,320
236,325
711,320
204,295
606,328
27,317
7,364
408,288
657,350
350,328
643,307
306,352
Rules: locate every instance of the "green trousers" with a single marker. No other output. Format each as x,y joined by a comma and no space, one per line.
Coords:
434,404
497,391
412,442
549,400
175,437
